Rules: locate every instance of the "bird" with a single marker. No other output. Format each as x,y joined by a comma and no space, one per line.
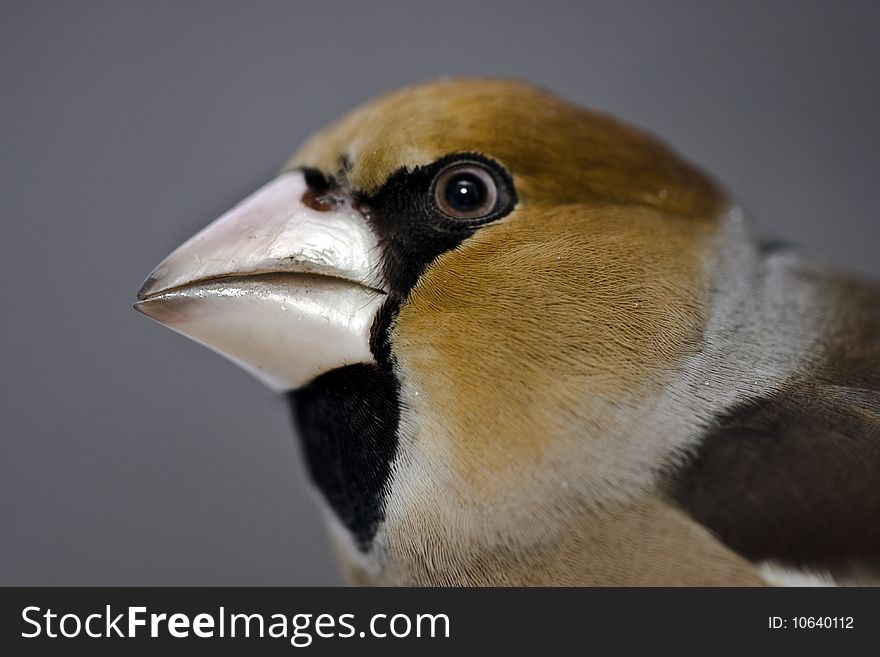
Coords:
527,344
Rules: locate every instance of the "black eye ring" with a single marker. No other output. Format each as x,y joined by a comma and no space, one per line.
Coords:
466,190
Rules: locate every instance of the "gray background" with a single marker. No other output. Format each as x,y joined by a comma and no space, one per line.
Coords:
130,455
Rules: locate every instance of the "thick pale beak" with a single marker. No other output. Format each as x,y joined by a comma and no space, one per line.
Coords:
286,291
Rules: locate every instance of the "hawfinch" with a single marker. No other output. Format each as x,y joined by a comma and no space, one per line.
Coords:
527,344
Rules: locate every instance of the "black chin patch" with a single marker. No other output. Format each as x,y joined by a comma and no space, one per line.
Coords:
348,420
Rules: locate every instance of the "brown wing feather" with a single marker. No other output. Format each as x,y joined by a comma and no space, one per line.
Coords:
795,477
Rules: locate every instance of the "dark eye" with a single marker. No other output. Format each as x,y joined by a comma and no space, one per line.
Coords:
465,191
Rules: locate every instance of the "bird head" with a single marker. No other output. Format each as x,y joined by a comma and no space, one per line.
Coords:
483,303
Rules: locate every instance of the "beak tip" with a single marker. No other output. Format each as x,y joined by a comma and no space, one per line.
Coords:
149,289
144,290
150,286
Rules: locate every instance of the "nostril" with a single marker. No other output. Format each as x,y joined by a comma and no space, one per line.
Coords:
322,193
321,202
